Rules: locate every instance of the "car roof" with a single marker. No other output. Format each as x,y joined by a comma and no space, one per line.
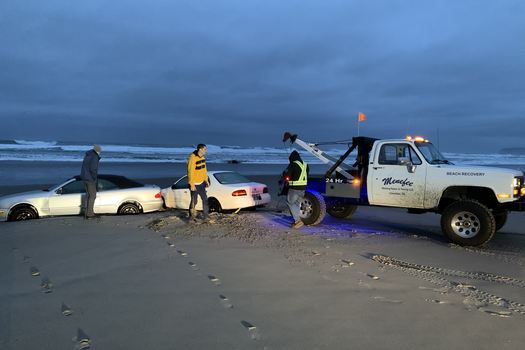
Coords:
120,180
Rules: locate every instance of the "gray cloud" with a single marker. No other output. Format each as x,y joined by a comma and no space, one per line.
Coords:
242,72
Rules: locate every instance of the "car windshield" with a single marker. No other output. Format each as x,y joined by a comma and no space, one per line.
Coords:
54,187
228,178
431,153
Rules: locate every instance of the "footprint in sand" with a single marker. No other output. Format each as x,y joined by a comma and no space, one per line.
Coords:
47,286
164,236
170,244
252,330
496,312
437,301
225,302
182,253
347,263
315,253
26,259
194,266
372,276
82,339
215,280
66,310
34,271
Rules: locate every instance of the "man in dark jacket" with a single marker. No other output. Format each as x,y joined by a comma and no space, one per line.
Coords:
297,173
89,174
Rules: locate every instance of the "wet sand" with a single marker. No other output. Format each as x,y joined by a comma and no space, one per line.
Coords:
383,280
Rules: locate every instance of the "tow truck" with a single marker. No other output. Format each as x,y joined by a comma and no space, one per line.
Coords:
411,173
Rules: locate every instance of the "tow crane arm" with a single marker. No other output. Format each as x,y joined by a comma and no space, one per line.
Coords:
313,149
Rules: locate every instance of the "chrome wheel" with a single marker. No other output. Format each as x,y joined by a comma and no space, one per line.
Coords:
129,209
24,213
306,208
465,224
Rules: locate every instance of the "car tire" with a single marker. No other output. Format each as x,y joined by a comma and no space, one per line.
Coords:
129,209
23,213
501,219
214,206
468,223
341,210
313,208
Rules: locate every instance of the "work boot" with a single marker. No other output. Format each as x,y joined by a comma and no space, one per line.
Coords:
193,214
209,220
298,224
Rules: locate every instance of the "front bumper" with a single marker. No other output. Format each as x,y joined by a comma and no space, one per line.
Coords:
3,214
518,205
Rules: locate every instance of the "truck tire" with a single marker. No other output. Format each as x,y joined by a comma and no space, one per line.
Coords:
313,208
341,210
501,219
468,223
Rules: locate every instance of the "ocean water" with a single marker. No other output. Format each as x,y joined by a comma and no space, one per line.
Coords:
54,151
41,162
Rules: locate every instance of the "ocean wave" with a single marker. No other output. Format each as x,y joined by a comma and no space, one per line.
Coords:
53,151
38,144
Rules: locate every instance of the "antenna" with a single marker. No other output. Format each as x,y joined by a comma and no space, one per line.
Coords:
438,137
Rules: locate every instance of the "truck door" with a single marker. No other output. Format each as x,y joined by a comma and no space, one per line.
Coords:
397,177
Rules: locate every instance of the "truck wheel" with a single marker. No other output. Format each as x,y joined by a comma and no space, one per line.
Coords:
341,210
501,219
468,222
313,208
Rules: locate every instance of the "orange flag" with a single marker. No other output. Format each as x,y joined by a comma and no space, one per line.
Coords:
361,117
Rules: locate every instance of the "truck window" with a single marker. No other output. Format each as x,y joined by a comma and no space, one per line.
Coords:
392,154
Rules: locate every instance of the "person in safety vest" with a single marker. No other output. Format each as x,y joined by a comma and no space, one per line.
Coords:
198,181
297,173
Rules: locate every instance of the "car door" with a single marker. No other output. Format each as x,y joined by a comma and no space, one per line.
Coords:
398,177
181,194
68,199
108,196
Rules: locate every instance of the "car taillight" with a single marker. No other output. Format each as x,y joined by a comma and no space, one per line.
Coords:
158,195
265,190
239,193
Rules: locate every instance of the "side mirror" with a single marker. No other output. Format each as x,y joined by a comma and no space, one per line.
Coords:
411,168
59,191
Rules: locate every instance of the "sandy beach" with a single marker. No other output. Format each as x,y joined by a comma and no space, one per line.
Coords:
383,280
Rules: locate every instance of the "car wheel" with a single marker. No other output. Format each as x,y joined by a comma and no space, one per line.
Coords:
468,222
129,209
214,206
313,208
501,219
23,213
341,210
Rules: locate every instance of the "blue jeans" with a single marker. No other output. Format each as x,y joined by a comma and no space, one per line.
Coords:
294,199
200,190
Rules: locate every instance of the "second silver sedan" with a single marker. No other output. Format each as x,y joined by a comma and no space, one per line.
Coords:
115,195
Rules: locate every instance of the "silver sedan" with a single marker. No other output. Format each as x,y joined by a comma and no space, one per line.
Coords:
115,195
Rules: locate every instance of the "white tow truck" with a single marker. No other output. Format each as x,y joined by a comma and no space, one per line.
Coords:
411,173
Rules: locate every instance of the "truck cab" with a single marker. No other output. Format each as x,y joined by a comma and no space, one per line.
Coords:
411,173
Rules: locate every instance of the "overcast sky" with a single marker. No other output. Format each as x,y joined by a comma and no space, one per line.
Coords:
242,72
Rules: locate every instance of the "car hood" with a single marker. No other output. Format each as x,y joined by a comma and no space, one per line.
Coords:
22,196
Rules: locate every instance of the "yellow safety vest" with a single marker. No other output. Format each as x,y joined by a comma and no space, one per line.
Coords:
302,178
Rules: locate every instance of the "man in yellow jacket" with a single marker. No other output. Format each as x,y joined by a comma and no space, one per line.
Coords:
198,180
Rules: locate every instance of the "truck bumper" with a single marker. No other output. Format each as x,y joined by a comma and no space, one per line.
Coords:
518,205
